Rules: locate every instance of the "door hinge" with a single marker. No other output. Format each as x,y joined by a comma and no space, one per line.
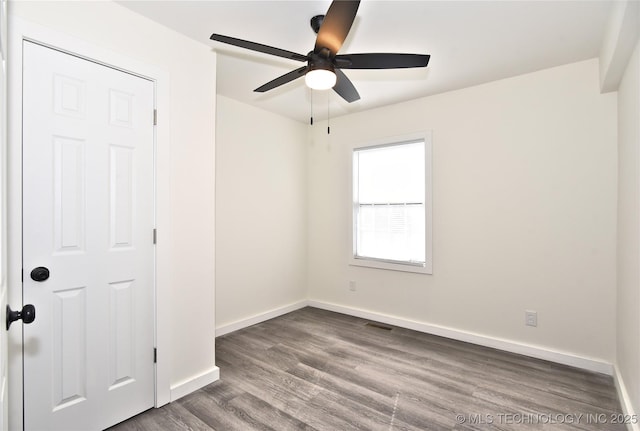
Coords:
155,236
155,117
155,355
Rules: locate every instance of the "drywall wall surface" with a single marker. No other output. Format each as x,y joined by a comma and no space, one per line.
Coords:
524,212
191,68
628,318
261,217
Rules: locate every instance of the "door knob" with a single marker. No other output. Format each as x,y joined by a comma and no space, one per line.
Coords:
40,273
28,315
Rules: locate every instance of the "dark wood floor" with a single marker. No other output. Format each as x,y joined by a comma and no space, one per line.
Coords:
314,369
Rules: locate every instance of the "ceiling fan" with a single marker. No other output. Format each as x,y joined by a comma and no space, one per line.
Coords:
324,64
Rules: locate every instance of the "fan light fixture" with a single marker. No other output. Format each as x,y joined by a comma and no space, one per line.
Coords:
320,79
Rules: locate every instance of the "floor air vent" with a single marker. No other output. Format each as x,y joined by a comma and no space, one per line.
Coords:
379,326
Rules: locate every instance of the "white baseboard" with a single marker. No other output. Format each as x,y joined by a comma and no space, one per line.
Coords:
565,358
469,337
192,384
259,318
625,400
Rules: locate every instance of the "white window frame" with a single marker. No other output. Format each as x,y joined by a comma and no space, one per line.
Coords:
427,268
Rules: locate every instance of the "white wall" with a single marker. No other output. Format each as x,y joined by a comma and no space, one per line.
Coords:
260,212
628,252
524,212
187,262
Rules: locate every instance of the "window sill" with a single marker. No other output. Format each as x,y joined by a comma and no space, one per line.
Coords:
376,264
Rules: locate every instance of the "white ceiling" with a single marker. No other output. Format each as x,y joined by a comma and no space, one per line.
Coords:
470,42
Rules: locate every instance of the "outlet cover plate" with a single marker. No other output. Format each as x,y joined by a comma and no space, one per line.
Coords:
531,318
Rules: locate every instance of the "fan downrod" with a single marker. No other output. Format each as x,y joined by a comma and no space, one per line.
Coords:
316,22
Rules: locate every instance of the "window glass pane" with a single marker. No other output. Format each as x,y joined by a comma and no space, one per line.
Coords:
391,232
391,174
389,210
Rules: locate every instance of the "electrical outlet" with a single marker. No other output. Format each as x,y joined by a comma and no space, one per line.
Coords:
352,286
531,318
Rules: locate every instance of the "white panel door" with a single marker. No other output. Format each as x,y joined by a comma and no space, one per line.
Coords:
88,218
3,216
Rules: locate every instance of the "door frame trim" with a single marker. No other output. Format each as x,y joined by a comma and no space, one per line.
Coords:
19,31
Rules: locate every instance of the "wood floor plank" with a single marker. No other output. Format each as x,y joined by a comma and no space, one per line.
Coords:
171,417
314,369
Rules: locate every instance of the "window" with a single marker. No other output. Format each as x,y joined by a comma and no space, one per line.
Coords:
392,206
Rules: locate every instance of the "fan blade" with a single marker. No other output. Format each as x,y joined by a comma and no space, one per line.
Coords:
336,25
258,47
287,77
344,87
381,61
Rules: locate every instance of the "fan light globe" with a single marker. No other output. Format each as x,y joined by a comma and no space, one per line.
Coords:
320,79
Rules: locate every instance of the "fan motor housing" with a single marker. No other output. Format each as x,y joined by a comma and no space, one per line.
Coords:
319,61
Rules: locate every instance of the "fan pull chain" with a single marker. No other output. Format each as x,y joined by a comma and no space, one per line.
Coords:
311,108
328,116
